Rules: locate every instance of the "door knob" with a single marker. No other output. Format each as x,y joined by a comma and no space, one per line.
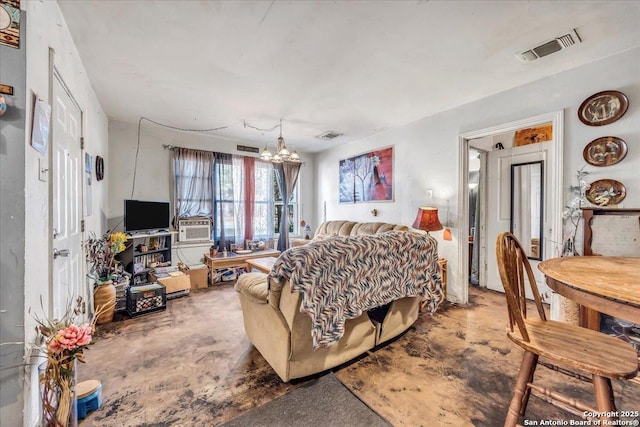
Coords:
57,253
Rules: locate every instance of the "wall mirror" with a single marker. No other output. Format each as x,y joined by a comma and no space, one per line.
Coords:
527,187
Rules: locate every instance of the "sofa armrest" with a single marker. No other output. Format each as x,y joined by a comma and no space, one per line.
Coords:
254,287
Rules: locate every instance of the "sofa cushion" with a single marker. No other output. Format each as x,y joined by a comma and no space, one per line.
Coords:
335,228
254,286
363,228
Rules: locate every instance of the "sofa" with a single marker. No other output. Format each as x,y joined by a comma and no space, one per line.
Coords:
348,228
278,310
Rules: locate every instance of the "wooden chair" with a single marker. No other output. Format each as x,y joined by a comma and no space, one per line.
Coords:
594,356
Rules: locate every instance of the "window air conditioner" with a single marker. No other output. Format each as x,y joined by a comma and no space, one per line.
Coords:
194,230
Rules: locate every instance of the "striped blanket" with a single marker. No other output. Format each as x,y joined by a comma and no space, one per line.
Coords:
343,276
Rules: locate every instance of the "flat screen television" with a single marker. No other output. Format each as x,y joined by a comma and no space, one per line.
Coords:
142,215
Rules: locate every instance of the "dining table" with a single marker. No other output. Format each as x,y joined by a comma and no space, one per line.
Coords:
600,284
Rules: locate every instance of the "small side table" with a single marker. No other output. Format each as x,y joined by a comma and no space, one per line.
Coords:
262,264
235,260
442,262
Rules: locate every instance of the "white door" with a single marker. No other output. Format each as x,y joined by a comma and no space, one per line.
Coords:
67,196
499,205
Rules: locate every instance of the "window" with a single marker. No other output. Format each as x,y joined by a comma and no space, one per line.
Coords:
240,195
263,202
243,199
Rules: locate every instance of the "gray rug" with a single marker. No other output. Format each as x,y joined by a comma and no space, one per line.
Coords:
321,402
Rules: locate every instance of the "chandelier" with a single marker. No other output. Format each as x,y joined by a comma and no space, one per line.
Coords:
282,154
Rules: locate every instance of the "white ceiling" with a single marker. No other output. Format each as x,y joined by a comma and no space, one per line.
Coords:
355,67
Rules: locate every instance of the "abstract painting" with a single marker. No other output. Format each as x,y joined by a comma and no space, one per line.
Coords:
367,177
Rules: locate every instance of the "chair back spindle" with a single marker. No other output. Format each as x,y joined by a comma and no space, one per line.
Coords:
513,265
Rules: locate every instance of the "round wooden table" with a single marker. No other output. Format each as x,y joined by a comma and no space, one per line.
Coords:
604,284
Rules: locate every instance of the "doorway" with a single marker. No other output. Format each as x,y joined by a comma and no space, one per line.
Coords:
489,208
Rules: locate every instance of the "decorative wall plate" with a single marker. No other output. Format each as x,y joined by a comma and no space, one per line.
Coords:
605,151
603,108
605,192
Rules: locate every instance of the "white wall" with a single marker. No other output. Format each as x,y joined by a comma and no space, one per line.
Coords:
153,176
426,151
46,28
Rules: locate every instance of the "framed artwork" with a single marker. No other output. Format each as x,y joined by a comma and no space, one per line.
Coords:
10,23
605,151
367,177
41,121
603,108
533,135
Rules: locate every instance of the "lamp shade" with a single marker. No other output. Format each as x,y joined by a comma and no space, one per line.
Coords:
427,219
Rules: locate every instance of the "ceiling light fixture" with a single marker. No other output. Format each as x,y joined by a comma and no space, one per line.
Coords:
282,154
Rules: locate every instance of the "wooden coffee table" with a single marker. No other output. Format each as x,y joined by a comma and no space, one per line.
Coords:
262,264
236,260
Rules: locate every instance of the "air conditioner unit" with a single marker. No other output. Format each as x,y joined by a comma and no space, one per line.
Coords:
194,230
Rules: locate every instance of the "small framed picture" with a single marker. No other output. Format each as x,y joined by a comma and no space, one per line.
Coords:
138,267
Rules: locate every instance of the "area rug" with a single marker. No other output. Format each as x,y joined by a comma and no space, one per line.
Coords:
324,401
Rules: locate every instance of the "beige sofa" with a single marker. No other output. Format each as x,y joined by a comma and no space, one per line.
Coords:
348,228
281,332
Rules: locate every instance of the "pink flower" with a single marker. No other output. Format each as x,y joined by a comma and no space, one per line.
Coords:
70,338
54,346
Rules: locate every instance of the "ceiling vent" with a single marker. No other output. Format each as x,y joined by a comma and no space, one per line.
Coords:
329,135
550,47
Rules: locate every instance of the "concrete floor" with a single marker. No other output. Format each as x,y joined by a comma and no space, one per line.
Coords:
191,365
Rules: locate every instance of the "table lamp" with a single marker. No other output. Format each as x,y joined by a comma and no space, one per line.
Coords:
427,219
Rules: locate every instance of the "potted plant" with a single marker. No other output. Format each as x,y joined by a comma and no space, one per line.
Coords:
101,253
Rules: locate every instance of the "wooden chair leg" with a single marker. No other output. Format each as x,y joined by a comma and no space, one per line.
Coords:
605,402
527,393
527,367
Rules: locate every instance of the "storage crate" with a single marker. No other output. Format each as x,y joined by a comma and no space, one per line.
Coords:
146,299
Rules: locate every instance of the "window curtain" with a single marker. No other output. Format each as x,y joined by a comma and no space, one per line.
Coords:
287,176
263,214
229,206
250,194
193,191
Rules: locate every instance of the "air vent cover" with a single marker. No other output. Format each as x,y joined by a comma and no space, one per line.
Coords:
550,47
329,135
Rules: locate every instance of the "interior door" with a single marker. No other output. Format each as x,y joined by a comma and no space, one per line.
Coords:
499,205
67,197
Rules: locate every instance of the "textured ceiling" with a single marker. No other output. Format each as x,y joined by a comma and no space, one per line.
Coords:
354,67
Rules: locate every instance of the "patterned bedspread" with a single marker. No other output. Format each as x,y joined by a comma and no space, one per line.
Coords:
341,277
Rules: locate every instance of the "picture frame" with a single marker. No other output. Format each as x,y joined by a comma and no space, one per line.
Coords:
41,122
603,108
366,177
605,151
